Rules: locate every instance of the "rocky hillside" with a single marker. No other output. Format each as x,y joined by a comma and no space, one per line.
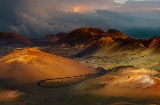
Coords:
81,37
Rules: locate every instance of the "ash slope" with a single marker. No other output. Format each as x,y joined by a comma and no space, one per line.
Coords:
30,65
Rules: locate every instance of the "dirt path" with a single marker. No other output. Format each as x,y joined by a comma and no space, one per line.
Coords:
67,81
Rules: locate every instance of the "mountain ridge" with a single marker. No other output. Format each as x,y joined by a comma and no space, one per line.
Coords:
9,38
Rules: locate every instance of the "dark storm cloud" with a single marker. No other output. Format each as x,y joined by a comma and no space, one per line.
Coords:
36,18
135,25
6,14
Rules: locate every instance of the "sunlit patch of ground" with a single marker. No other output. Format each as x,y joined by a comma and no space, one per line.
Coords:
129,82
9,95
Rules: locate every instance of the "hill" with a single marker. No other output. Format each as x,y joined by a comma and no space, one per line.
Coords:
30,65
12,38
81,37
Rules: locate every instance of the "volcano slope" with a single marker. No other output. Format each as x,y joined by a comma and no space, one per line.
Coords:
30,65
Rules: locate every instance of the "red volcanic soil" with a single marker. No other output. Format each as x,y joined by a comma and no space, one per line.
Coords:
9,38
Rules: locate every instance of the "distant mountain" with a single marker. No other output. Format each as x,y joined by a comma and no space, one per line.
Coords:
12,38
81,37
115,34
51,38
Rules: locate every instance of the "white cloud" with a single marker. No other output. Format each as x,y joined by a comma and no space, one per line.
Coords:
120,1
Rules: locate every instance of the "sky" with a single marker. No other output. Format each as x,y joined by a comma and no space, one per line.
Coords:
37,18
